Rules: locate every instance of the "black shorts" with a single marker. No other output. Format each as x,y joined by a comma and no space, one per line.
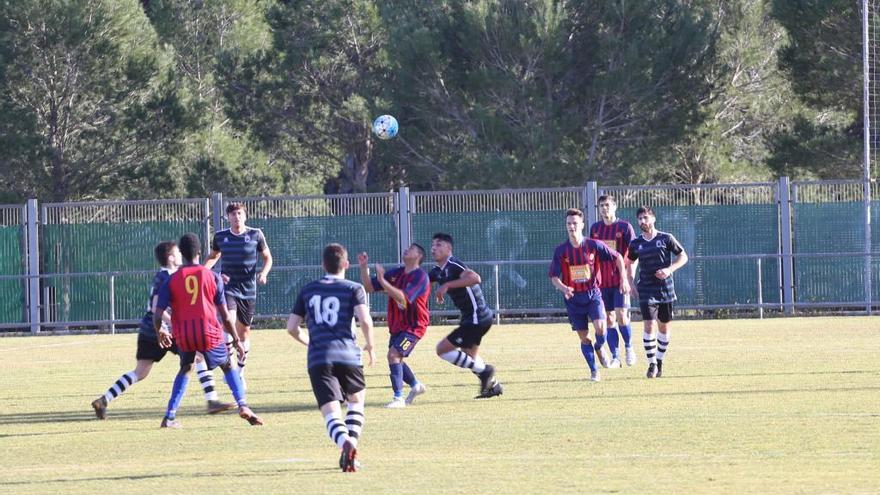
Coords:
656,311
149,349
468,335
244,308
333,382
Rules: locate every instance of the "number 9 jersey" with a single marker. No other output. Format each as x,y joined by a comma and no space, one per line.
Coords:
194,293
327,306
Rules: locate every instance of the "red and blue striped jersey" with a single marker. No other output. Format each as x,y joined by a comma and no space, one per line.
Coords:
413,317
617,236
576,266
193,292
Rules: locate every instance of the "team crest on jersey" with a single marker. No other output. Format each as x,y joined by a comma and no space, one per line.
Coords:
659,244
618,234
247,238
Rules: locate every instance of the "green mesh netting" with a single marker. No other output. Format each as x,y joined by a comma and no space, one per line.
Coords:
12,292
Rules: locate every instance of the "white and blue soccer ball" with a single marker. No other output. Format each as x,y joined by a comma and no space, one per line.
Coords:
385,127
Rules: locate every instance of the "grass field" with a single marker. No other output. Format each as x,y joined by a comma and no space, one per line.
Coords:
745,406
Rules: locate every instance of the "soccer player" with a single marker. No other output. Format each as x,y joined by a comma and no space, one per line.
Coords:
573,272
148,350
616,234
195,295
463,285
408,289
655,288
335,367
239,245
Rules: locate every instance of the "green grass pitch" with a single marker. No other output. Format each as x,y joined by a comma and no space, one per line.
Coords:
745,406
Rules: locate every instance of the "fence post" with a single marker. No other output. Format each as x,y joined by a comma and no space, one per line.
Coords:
112,290
760,292
206,204
216,213
868,286
591,196
497,294
33,266
404,232
786,248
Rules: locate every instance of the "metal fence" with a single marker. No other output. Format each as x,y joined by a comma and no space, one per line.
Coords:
767,246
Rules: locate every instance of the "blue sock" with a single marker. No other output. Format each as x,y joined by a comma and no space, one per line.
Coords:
626,332
177,392
233,380
396,378
600,341
589,355
408,376
613,342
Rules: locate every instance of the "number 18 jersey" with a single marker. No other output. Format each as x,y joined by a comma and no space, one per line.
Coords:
327,306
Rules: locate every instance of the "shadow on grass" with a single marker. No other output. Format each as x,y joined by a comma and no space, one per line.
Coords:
178,476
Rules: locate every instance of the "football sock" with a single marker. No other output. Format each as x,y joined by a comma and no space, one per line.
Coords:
650,347
408,376
458,358
662,344
247,348
600,341
590,355
613,342
206,378
336,428
626,333
120,386
233,380
479,365
354,420
396,378
177,392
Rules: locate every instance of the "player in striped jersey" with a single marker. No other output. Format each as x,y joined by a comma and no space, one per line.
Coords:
656,291
195,295
616,234
463,285
408,289
573,272
148,350
334,360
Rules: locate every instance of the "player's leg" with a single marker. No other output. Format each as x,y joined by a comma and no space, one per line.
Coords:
178,390
664,324
649,320
328,393
611,334
219,356
395,369
244,317
624,324
148,352
351,379
596,313
206,379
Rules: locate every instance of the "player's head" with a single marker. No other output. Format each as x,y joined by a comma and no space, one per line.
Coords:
414,254
441,246
574,221
335,259
646,218
607,207
236,213
190,247
167,254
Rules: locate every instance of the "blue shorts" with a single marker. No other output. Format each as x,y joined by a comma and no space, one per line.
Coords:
613,299
404,342
217,356
583,308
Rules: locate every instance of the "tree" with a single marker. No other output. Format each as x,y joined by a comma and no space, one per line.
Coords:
88,100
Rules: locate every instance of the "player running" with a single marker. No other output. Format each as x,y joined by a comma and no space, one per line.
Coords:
195,295
461,347
336,370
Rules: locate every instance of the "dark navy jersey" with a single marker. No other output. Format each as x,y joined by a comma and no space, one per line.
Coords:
146,330
238,259
653,255
327,306
468,300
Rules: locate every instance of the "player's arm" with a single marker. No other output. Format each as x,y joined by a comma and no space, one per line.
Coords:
166,315
555,272
681,259
467,278
363,260
212,258
160,302
392,291
632,261
366,322
267,259
293,328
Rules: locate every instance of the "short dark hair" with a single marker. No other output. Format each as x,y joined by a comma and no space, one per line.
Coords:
645,209
440,236
609,197
574,212
421,250
163,250
334,255
235,206
190,246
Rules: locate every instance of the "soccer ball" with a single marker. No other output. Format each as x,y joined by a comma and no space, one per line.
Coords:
385,127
